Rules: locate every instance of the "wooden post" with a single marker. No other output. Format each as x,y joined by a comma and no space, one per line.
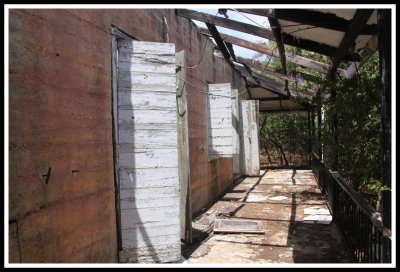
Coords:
335,165
319,133
384,39
309,137
183,148
312,129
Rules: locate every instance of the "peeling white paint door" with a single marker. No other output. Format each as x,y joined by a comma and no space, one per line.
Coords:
147,152
219,121
251,142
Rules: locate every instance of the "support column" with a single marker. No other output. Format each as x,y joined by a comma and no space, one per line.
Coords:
385,42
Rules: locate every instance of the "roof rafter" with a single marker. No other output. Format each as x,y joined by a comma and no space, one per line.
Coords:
218,40
354,28
299,60
312,18
276,29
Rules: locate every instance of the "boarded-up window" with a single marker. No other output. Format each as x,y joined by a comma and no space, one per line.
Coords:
219,121
147,152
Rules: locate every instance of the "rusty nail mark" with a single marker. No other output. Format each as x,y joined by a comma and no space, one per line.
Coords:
47,176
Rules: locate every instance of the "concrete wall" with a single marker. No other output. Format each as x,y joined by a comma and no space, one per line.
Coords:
60,118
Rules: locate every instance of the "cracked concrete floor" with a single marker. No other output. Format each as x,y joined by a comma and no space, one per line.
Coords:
281,199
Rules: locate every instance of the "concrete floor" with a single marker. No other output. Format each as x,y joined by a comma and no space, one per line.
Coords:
283,201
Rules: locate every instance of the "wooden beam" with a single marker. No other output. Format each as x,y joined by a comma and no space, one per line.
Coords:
271,84
357,23
368,51
227,23
299,60
282,110
231,51
293,76
218,40
273,98
276,29
311,17
262,32
279,87
246,74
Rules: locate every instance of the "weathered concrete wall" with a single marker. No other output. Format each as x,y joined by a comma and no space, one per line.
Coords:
60,118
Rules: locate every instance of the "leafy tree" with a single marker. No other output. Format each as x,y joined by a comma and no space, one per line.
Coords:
356,108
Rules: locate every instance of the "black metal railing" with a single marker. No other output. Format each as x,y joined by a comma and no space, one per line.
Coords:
360,224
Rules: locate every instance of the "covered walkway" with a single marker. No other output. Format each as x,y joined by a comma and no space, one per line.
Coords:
293,214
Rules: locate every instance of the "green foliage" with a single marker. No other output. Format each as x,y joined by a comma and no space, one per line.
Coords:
286,131
356,108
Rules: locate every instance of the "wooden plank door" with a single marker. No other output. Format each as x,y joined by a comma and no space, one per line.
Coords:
219,121
251,142
147,152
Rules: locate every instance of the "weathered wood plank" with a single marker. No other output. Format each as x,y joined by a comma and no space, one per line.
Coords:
137,117
128,78
164,216
153,138
151,158
148,177
146,100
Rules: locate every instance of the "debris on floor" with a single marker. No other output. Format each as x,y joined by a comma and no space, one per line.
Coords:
238,226
281,208
317,215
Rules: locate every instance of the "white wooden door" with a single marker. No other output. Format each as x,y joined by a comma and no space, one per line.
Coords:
219,121
147,152
251,142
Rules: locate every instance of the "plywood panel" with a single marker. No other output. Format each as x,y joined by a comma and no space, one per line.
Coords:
148,152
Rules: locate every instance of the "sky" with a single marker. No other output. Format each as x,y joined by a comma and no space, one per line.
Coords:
241,17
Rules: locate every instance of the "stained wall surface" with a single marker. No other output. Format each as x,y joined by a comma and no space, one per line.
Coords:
60,125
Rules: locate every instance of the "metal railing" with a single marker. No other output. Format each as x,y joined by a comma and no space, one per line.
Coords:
360,224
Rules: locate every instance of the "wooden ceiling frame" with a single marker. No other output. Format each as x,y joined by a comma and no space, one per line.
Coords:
352,28
298,60
263,32
358,22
